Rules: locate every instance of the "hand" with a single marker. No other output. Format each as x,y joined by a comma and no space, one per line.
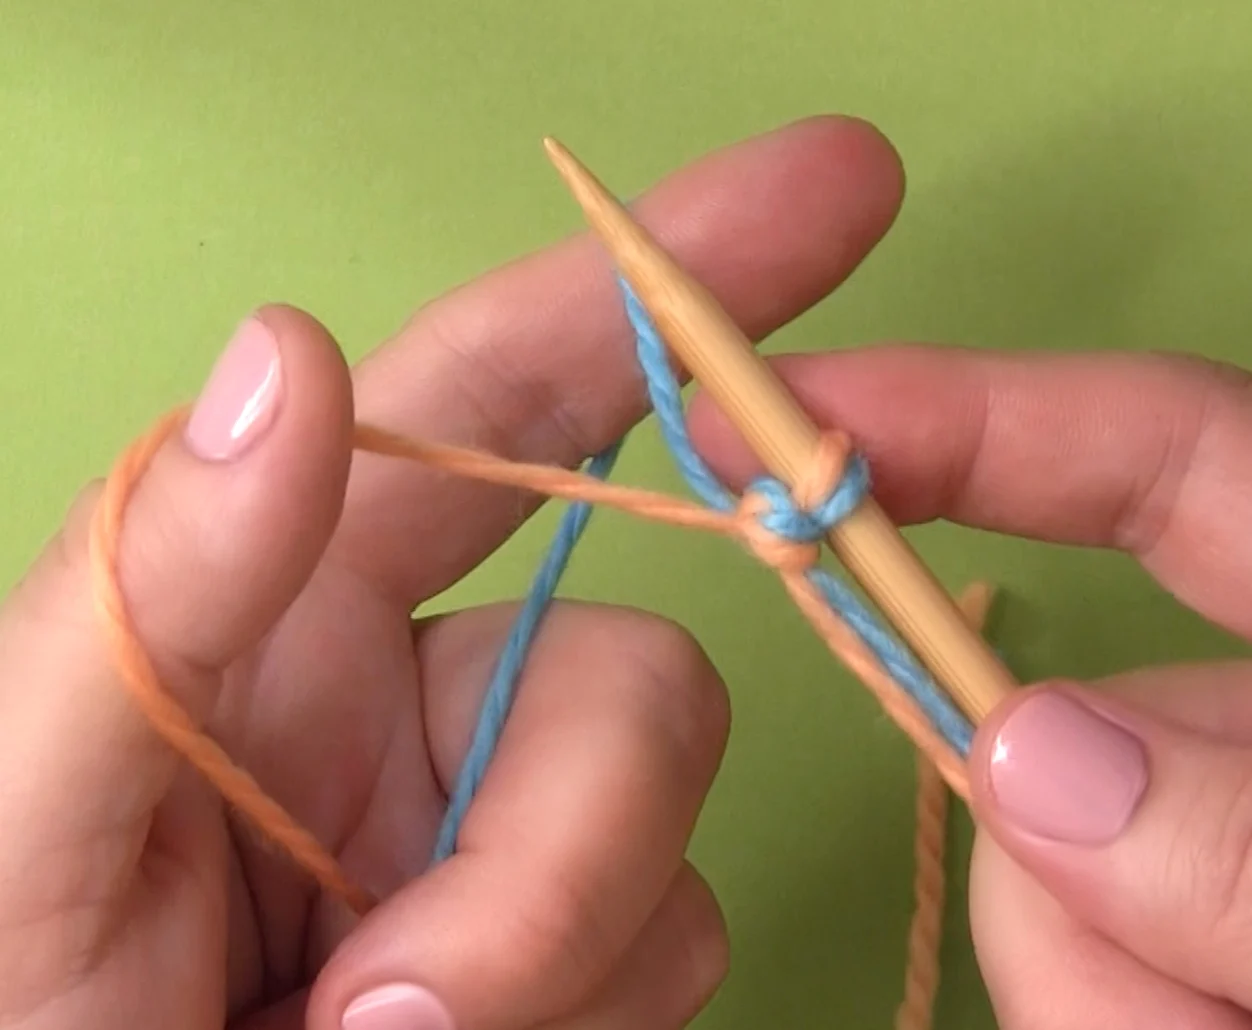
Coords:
1112,875
272,579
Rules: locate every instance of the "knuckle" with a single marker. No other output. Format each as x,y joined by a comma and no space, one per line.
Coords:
1198,389
520,406
41,592
560,937
1219,864
681,687
703,943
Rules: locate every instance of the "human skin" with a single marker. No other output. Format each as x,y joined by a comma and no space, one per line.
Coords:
1108,885
271,575
1111,884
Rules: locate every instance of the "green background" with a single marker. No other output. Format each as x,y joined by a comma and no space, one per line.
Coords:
1077,178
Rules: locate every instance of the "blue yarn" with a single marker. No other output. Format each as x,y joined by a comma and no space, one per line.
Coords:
789,521
667,402
512,660
782,517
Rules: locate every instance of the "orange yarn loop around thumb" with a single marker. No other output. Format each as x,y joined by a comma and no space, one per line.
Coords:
240,790
163,712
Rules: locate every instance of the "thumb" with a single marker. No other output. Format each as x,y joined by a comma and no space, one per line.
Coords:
1140,827
220,534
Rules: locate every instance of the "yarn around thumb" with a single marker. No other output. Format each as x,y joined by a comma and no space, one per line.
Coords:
1140,827
219,536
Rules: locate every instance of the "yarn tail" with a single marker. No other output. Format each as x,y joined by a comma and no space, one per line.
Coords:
921,977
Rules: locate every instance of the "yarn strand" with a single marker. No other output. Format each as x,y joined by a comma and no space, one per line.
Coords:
921,975
789,558
781,527
162,711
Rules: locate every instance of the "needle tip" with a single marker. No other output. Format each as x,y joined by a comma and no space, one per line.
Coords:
566,164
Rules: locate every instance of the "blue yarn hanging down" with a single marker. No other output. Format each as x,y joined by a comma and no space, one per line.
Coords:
512,660
782,517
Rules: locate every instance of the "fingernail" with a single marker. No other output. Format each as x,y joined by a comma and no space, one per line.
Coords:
1062,772
240,400
397,1007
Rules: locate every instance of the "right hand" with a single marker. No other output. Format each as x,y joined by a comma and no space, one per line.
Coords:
1112,877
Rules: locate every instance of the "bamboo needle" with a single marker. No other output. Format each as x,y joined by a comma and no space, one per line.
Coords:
721,358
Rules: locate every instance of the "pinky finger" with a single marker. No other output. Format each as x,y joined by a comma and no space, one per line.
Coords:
670,973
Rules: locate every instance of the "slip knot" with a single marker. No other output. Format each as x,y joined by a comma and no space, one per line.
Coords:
785,528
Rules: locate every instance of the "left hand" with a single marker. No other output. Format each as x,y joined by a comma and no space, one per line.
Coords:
272,580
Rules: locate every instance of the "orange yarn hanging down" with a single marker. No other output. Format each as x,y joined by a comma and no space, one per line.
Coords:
940,764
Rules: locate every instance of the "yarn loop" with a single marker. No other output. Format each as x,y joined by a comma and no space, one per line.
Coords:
785,528
782,527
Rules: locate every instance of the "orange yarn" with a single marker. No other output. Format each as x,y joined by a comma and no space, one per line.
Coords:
791,560
921,977
167,717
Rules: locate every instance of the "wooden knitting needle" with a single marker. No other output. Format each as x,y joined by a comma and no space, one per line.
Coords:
721,358
975,602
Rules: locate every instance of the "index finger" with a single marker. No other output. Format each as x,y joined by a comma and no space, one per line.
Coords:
536,360
1146,453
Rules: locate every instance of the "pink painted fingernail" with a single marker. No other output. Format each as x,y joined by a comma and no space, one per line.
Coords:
1062,772
241,398
397,1007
